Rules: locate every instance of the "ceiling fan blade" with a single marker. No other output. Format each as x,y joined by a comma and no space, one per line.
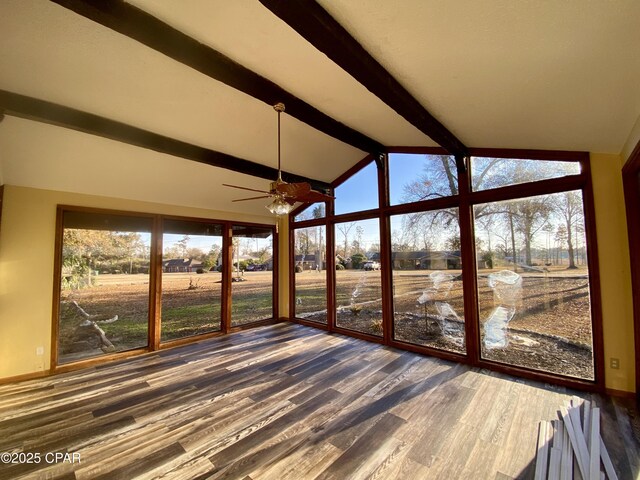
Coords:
245,188
294,189
314,196
251,198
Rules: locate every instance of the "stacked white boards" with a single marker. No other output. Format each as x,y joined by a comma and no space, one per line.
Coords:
571,447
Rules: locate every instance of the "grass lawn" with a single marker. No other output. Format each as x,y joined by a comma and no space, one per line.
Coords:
185,311
554,304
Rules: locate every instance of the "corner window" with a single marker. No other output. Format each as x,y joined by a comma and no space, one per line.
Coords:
359,276
310,270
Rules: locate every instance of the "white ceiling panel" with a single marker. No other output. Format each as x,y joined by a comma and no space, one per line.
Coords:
64,58
251,35
530,74
56,158
498,73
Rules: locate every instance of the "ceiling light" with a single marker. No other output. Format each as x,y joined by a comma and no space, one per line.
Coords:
284,194
279,206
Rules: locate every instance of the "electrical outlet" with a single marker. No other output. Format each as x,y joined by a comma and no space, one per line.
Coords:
614,363
39,351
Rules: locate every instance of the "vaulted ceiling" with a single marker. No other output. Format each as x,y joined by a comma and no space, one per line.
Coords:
494,73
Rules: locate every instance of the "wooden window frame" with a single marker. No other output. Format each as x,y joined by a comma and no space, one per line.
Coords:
464,201
154,342
631,183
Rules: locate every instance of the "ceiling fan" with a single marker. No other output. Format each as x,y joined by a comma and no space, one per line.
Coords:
284,194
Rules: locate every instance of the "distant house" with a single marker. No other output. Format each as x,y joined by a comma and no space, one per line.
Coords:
307,262
426,260
181,265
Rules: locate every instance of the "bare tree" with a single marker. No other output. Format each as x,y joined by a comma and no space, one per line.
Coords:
183,245
303,242
568,206
357,243
548,229
560,239
531,215
345,228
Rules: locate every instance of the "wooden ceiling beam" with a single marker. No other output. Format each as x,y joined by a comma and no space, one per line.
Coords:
53,114
152,32
320,29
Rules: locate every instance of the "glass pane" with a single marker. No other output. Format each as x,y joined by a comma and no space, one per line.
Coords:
428,301
315,210
359,192
104,297
413,177
358,277
488,173
533,284
191,278
310,274
252,282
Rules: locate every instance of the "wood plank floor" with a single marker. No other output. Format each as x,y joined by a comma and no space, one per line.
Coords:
288,402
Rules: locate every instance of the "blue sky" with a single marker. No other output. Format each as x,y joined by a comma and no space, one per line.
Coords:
360,192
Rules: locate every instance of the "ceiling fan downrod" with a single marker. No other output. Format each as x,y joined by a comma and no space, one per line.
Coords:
279,107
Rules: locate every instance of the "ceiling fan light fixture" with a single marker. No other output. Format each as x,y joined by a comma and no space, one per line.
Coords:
284,194
279,206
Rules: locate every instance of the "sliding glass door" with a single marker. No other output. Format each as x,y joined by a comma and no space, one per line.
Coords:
191,278
252,281
104,284
128,281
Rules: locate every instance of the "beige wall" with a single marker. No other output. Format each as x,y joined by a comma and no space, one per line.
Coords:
27,248
615,271
26,267
283,258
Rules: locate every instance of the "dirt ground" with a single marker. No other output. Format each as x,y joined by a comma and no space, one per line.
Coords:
550,330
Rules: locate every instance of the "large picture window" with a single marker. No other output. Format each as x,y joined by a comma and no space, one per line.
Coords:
533,283
487,259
